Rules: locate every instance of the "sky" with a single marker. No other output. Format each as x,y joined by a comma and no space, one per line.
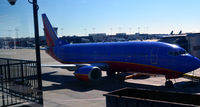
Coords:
81,17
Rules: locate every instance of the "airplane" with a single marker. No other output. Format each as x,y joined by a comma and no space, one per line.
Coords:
172,32
91,59
180,32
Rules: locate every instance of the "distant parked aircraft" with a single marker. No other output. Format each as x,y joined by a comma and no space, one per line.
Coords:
172,32
180,32
159,58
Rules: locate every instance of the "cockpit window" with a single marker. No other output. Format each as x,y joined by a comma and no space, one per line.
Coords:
176,53
182,52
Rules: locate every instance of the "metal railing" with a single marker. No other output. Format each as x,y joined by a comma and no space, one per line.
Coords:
18,82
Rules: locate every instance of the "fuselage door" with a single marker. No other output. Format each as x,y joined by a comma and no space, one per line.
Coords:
154,55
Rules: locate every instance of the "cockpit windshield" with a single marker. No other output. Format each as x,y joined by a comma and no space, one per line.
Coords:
177,53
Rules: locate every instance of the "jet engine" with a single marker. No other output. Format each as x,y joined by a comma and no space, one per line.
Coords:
88,73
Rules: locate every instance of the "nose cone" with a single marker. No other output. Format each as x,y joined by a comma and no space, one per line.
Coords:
193,63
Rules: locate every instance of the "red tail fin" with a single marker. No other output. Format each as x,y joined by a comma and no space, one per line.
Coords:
51,36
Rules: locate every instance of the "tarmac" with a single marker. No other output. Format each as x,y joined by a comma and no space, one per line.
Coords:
61,88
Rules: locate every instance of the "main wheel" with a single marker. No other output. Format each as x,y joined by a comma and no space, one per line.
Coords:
169,84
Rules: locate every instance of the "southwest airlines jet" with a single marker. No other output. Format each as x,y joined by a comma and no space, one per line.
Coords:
159,58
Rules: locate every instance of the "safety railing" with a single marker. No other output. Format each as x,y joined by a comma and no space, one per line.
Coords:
18,82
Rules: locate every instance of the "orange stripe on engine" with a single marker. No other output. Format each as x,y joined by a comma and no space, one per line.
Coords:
82,77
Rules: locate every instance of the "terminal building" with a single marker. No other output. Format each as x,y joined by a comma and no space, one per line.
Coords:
98,37
194,44
190,42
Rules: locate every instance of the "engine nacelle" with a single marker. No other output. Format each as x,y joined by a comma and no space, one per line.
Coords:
88,73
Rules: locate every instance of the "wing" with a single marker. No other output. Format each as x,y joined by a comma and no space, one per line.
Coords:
74,67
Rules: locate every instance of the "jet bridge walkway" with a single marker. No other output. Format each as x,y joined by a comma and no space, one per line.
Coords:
192,77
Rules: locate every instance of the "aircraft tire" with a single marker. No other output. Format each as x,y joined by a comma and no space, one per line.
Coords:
111,74
169,84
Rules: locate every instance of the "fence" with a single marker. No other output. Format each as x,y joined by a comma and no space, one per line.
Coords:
18,82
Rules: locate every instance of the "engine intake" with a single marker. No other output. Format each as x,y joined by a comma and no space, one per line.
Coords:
88,73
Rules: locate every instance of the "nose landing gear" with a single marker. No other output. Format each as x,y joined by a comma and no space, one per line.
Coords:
169,84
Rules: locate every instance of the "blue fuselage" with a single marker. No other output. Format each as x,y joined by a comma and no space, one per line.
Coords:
156,54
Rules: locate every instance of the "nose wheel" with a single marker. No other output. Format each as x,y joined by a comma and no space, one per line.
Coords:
169,84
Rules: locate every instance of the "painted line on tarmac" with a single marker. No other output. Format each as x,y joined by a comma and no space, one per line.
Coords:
92,99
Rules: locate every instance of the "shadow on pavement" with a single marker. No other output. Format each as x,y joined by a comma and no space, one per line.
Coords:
106,84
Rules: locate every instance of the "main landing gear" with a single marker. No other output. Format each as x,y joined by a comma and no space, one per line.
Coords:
115,75
111,74
169,84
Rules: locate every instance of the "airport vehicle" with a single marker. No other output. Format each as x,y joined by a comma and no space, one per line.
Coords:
90,59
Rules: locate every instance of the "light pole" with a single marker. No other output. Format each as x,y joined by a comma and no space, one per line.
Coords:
17,39
37,46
